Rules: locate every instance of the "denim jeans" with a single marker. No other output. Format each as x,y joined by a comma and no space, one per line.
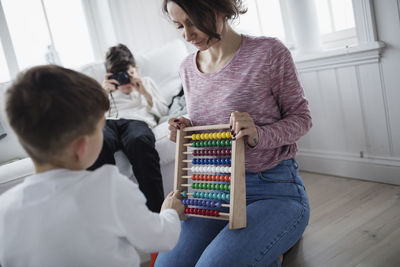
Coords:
277,215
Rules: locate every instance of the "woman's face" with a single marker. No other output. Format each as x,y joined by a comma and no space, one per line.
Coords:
190,32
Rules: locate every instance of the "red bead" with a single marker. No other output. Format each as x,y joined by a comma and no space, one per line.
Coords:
187,210
216,212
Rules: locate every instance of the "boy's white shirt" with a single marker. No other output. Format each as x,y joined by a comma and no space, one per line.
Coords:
134,106
81,218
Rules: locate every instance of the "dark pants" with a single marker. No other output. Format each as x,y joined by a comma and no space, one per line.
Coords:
137,141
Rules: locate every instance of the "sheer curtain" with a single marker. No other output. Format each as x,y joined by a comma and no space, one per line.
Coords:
141,24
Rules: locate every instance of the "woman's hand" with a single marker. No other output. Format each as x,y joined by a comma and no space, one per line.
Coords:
242,125
177,124
109,85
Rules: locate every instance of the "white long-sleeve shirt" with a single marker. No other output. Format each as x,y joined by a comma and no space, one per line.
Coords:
134,106
81,218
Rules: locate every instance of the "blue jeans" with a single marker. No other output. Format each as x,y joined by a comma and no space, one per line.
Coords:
277,215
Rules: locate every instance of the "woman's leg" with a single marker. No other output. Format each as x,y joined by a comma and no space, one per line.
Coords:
277,215
138,144
195,236
273,227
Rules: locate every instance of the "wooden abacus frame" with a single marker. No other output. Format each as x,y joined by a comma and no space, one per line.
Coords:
237,203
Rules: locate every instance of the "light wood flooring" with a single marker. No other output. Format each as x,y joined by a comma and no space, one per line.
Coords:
352,223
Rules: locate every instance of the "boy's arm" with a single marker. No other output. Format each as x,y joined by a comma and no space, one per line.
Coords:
144,229
159,108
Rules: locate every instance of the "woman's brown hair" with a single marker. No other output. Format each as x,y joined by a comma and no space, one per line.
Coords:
202,13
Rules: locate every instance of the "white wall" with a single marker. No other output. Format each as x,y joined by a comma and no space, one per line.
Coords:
355,109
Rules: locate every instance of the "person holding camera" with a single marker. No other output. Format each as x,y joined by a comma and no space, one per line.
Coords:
135,108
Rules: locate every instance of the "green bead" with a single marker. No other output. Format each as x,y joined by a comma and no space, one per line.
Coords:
209,186
213,143
230,142
229,187
193,186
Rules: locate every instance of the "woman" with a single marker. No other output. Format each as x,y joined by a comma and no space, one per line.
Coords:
250,82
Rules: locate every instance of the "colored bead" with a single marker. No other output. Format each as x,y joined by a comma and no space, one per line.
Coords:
193,136
184,193
219,135
214,135
218,204
202,136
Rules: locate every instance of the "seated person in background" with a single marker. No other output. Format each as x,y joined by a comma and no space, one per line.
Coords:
64,215
135,108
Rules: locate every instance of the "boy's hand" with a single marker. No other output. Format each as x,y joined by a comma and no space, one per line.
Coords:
109,85
173,202
137,83
177,124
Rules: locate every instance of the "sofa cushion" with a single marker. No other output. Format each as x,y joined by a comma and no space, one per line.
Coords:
10,149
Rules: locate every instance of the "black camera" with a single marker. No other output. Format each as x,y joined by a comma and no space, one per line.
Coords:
122,77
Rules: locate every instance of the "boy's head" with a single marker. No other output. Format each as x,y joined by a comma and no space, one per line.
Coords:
120,59
57,114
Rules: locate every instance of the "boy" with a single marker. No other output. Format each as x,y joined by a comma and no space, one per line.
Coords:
64,215
135,108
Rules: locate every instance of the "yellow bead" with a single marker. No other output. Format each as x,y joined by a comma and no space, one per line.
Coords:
197,136
202,136
228,135
214,135
206,136
223,135
193,137
219,135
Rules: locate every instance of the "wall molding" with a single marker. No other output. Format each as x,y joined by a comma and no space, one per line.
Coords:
358,55
377,169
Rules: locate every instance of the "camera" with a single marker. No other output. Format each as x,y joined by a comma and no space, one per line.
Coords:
122,77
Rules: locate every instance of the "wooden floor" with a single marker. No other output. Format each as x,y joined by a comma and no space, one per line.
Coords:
353,223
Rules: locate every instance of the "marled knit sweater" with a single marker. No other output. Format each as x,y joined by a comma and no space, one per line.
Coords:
260,79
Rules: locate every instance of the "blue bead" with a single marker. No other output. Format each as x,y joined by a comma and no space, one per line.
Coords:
184,194
212,204
219,204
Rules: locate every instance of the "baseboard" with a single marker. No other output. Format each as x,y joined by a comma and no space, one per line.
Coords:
365,169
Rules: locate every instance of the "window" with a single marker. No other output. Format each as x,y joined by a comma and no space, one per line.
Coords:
336,23
45,31
263,17
274,18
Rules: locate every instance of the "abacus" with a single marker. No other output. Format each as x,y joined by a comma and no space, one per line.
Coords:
210,174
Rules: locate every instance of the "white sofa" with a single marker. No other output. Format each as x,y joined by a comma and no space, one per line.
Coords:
161,65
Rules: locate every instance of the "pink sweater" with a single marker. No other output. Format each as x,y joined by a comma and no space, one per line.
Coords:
260,79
